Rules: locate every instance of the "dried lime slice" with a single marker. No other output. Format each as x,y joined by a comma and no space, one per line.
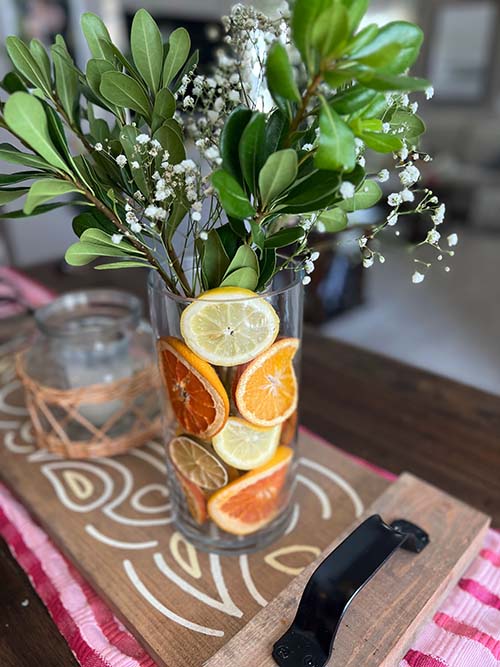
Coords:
196,464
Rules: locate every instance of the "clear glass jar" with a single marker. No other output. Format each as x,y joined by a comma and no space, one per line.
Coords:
231,465
90,339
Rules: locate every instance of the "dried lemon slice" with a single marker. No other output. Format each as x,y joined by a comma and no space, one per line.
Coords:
229,326
196,464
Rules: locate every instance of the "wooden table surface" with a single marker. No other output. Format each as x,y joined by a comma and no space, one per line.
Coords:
396,416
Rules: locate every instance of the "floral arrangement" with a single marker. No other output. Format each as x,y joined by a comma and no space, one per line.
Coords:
283,128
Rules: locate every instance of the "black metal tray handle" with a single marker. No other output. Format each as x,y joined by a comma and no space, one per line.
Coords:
336,582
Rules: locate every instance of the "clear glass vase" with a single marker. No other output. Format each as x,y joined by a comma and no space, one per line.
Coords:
229,363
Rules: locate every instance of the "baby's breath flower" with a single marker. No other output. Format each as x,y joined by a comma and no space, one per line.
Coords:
394,199
452,240
438,215
383,175
142,139
308,266
407,195
121,161
98,147
306,280
405,100
117,238
447,269
429,93
381,259
361,161
392,219
347,190
135,165
403,153
320,226
203,236
315,256
307,147
409,175
362,241
368,261
433,237
386,128
196,216
414,107
417,278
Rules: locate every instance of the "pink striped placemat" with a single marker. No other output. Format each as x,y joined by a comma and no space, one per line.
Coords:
465,632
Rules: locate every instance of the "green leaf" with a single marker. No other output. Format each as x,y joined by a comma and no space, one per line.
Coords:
284,237
252,149
179,44
25,116
230,139
279,72
45,190
356,9
381,142
66,82
304,17
39,53
126,264
244,257
246,278
267,266
164,108
354,98
337,149
314,190
395,48
215,260
101,237
94,71
18,214
81,253
238,227
92,220
334,220
367,196
95,33
331,30
276,129
363,38
229,239
25,63
6,196
12,82
390,82
377,108
412,125
20,176
170,140
231,195
278,172
338,78
125,92
147,48
258,236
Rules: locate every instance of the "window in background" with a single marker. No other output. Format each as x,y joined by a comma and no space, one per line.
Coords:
461,57
384,11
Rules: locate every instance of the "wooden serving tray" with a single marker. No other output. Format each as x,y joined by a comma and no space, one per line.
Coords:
111,517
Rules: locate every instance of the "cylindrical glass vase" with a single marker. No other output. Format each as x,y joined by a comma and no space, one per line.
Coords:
229,362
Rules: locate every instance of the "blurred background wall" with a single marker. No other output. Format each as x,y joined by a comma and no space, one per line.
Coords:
450,323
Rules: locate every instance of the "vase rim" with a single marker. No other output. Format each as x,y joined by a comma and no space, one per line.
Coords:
156,284
71,314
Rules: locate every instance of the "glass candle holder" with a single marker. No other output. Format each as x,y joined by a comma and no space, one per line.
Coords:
230,428
87,341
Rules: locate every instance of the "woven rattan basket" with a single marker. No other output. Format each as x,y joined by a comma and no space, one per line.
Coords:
56,416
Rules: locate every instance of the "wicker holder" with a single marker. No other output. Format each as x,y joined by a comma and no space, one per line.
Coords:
55,413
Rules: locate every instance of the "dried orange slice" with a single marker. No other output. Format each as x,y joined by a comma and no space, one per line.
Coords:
196,464
196,393
266,391
245,446
252,501
228,326
195,499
